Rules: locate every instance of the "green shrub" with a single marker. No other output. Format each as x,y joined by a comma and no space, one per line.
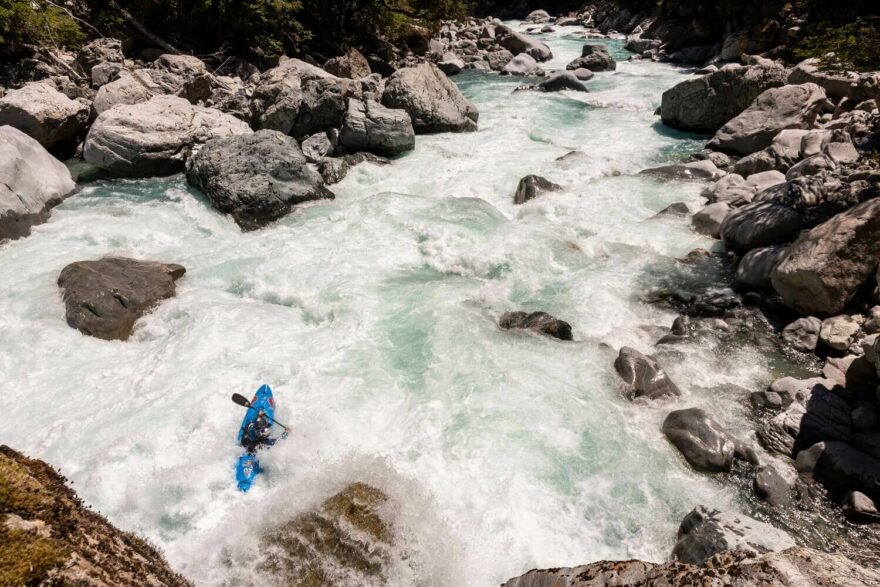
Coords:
855,45
33,22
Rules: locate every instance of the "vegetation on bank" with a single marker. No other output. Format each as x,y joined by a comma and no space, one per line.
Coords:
257,28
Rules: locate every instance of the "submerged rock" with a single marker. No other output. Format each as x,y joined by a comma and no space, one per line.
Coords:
794,566
434,103
705,532
49,537
346,540
31,182
642,376
156,137
104,298
541,322
255,178
532,186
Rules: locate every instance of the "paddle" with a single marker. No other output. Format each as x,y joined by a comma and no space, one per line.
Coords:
243,402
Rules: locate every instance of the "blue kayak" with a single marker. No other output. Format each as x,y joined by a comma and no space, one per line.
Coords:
248,466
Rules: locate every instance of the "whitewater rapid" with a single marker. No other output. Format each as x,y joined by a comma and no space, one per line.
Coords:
373,317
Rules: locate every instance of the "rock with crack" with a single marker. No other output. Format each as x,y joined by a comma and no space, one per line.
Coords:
705,532
256,178
433,102
105,298
540,322
154,138
642,376
31,182
369,126
39,110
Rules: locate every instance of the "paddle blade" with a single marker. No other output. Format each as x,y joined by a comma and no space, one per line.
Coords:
241,400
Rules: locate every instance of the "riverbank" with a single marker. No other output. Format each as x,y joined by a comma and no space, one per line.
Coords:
387,313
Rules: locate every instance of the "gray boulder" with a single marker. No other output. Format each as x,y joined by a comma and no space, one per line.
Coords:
760,224
156,137
129,88
803,334
642,376
583,74
562,80
705,532
334,169
369,126
774,484
755,269
700,439
540,322
532,186
104,50
352,65
184,76
31,182
256,178
709,220
105,298
39,110
498,59
450,64
772,111
595,57
318,146
434,103
522,64
826,266
706,103
518,43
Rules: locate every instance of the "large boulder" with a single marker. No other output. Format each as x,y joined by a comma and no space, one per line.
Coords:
256,178
794,566
826,266
300,99
103,50
41,111
184,76
518,43
842,468
540,322
31,182
595,57
705,532
857,87
755,269
434,103
772,111
156,137
642,376
105,298
706,103
700,439
129,88
369,126
346,540
760,224
352,65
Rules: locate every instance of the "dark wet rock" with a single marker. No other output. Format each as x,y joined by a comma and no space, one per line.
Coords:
346,540
532,186
850,371
256,178
31,182
105,298
352,65
48,536
595,57
39,110
827,265
562,80
695,170
156,137
369,126
772,486
772,111
756,267
434,103
642,376
761,224
794,566
674,209
706,103
705,532
540,322
334,169
841,468
803,334
700,439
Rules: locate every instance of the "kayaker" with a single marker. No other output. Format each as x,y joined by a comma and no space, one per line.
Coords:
257,433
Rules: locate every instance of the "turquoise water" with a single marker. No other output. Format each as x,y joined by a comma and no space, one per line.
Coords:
374,319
